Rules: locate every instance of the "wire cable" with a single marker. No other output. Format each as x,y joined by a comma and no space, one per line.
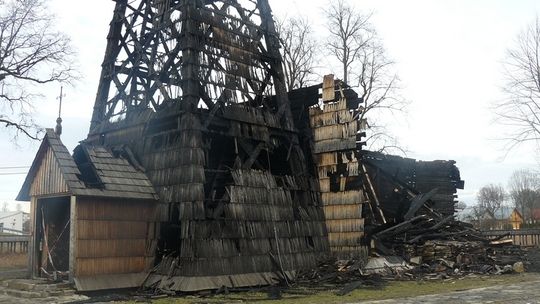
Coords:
17,167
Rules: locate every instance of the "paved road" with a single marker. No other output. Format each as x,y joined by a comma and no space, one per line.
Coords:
520,293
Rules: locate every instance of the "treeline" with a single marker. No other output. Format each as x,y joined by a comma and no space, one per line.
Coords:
522,194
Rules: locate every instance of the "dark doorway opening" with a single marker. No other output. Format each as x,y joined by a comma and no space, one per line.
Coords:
52,236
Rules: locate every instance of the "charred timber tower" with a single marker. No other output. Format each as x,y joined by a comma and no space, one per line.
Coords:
181,55
192,93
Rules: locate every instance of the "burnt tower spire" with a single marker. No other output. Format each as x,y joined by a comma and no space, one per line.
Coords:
188,54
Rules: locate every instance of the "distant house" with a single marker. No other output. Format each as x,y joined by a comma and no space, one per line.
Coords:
531,216
504,218
535,216
13,220
516,219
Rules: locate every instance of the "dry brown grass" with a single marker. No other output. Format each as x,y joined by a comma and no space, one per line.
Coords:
13,260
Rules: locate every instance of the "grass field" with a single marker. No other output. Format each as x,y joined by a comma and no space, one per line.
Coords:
392,290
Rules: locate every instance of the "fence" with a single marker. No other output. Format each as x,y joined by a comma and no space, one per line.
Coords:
14,243
525,237
12,231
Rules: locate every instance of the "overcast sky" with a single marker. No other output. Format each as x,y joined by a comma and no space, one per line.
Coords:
448,55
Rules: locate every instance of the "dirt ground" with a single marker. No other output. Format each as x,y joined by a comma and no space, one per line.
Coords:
396,291
533,257
13,266
390,291
13,261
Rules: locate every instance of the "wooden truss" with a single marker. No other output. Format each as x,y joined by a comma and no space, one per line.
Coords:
188,54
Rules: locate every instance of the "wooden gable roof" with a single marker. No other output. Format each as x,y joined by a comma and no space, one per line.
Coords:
55,172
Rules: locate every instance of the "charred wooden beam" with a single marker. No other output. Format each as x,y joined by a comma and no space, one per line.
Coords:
374,200
111,52
418,202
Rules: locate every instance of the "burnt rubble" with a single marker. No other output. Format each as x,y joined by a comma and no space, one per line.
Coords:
426,247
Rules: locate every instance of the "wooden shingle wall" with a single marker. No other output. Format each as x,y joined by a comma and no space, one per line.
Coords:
259,220
114,236
334,131
263,227
174,163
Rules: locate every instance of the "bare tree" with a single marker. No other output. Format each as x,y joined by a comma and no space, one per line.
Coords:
356,45
524,186
32,53
490,198
350,32
520,110
461,206
477,216
299,49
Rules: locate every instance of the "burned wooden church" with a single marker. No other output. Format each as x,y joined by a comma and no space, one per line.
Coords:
200,170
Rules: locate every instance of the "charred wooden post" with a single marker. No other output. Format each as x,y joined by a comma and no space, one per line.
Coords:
108,66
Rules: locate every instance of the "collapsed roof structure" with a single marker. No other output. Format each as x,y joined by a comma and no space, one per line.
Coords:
240,182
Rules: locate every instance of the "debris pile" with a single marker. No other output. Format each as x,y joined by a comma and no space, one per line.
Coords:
426,246
331,271
431,260
442,259
421,228
346,275
440,246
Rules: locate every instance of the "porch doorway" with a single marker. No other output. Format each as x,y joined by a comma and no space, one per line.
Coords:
52,237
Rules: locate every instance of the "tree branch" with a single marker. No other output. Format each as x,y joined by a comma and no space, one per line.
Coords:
32,54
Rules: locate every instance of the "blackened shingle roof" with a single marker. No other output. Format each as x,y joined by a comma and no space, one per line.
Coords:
117,177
